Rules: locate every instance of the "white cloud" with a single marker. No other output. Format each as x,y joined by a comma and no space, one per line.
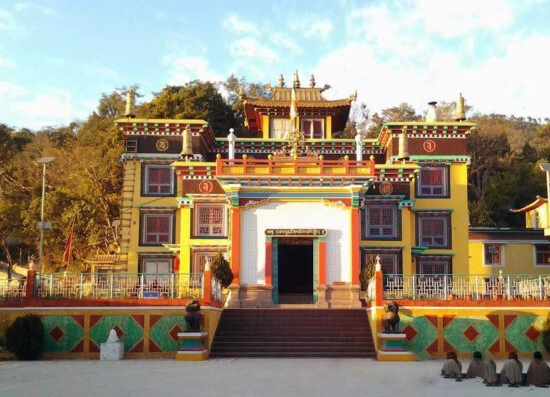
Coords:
472,15
238,25
182,69
9,90
318,29
286,43
100,71
7,22
50,107
250,48
7,63
27,7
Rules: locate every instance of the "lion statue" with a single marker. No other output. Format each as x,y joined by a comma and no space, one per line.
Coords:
192,316
390,319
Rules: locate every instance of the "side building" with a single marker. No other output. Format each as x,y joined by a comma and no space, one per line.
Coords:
296,211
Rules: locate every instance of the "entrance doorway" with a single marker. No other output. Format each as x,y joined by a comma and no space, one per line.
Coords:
295,270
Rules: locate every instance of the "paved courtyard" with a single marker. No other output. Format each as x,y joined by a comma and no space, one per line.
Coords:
241,377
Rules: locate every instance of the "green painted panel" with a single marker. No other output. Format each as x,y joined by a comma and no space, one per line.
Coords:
457,330
160,332
64,325
516,333
133,332
426,334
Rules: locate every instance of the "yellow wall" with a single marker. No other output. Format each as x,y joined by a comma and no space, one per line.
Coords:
457,203
519,258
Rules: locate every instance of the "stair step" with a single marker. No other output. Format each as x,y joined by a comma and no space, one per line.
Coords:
293,333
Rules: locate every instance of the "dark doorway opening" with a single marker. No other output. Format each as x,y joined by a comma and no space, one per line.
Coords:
295,265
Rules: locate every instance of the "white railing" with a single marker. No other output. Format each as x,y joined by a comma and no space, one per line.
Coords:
469,287
119,285
13,290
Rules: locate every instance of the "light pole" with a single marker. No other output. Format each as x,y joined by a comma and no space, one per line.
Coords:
546,168
44,161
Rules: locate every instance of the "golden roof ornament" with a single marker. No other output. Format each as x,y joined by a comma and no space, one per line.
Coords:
281,81
130,104
187,142
403,145
460,114
296,80
312,81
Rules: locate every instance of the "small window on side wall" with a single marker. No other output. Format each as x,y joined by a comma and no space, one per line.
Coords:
542,255
493,254
433,181
159,180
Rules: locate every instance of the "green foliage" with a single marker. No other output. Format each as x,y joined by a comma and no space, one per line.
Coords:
221,270
367,272
194,100
403,112
25,337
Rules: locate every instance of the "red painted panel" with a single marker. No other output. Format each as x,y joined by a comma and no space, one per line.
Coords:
93,347
509,319
140,319
79,319
153,347
79,348
153,319
447,320
493,318
138,348
433,320
94,318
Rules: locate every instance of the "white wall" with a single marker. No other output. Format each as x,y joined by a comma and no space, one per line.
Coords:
292,215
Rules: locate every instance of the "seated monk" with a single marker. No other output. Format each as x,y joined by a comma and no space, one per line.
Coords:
452,368
538,373
480,368
476,367
511,372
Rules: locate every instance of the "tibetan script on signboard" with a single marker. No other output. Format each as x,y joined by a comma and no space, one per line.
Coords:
295,232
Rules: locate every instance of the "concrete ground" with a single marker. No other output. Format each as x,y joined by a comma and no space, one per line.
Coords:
242,377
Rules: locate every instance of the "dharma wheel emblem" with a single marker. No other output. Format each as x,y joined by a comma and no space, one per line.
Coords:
386,188
162,145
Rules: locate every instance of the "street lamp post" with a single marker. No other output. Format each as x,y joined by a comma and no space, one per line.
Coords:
44,161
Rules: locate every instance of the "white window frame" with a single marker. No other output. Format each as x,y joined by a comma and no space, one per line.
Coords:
444,186
545,265
146,217
446,218
279,127
197,225
369,227
147,189
307,131
495,247
161,277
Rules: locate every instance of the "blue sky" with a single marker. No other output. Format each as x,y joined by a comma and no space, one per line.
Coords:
58,56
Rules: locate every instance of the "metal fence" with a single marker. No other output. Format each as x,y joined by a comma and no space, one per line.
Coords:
119,286
13,290
469,287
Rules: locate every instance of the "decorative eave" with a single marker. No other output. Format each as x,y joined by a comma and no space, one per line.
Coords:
445,159
415,129
539,202
108,259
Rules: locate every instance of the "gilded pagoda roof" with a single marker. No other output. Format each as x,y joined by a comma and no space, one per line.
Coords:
305,97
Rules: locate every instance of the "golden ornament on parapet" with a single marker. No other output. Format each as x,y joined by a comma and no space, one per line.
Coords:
162,145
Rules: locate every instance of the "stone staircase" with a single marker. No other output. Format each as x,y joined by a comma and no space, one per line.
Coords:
293,333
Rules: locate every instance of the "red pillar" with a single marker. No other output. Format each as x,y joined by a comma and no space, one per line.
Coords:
268,262
207,292
355,261
235,243
30,284
379,301
322,261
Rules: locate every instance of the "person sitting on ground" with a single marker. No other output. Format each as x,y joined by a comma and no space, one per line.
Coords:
511,372
538,373
476,367
485,369
452,368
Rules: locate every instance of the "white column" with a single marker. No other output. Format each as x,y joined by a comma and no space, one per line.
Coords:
231,140
358,147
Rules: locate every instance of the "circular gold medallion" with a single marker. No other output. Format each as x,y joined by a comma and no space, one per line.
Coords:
162,145
386,188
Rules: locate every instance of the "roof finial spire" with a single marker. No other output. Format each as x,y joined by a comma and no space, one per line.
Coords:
281,81
296,80
312,81
460,114
130,104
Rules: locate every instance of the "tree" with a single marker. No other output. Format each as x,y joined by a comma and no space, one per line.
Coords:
236,90
221,270
194,100
403,112
357,121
